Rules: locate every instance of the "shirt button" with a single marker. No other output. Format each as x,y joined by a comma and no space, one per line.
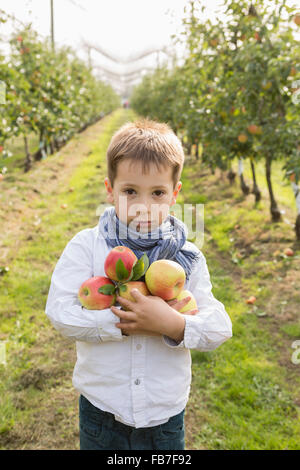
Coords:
137,381
138,346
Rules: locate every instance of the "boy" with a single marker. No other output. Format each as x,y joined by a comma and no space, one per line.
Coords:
133,369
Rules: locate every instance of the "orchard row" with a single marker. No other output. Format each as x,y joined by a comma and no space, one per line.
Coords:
237,92
49,93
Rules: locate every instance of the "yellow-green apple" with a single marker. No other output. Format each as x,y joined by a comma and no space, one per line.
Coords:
242,138
191,305
165,278
97,293
126,288
119,264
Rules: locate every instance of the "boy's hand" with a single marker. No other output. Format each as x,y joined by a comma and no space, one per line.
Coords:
150,315
178,304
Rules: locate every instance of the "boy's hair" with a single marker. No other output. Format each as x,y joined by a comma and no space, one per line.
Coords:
146,141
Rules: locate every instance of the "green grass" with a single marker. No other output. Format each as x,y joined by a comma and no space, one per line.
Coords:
242,395
15,145
24,288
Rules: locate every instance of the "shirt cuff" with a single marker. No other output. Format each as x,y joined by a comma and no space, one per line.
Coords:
172,343
106,325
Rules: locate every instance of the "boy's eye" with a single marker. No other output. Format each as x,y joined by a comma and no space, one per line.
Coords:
125,191
129,191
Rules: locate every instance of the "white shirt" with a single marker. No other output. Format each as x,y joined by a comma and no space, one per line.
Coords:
142,380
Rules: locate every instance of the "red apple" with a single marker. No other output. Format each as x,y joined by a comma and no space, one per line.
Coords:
165,278
296,19
191,305
251,300
119,264
126,288
97,293
288,252
1,148
254,129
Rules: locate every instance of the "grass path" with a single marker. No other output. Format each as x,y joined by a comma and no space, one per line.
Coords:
244,395
37,400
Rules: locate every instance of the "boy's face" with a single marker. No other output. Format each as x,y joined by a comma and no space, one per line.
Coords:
140,197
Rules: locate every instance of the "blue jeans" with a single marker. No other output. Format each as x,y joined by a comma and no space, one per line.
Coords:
100,431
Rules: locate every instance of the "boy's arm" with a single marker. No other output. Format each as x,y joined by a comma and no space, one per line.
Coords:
212,326
63,307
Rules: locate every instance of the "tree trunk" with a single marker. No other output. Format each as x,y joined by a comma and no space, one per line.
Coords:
52,146
231,175
29,159
255,189
189,148
244,187
296,191
197,151
275,213
297,227
39,154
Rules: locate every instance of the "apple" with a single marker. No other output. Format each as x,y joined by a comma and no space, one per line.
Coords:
296,19
256,36
191,305
254,129
242,138
1,177
97,293
64,206
119,263
165,278
126,288
251,300
292,177
288,252
1,148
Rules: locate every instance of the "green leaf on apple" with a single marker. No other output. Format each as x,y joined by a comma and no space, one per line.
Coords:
121,271
140,267
107,289
123,287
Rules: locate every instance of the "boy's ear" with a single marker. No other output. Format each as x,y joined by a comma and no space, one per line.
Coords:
109,191
176,191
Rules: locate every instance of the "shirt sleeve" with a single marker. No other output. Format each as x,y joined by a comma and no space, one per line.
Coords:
212,326
63,307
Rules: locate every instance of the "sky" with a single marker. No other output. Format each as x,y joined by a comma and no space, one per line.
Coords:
121,28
